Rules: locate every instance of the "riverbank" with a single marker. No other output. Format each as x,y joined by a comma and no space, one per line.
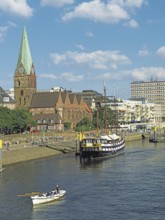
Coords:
20,153
26,151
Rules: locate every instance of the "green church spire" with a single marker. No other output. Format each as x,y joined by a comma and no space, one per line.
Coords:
25,57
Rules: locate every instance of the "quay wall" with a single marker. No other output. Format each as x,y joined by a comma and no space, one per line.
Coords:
133,137
25,152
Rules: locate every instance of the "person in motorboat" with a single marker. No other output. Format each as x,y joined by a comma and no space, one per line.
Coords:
57,189
49,193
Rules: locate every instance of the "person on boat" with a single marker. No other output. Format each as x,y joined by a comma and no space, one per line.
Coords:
57,189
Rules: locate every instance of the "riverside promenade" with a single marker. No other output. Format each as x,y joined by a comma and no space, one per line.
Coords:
24,147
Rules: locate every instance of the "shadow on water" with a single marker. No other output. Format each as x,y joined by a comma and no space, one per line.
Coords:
40,211
93,163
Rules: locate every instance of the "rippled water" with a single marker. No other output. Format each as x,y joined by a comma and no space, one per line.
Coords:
130,186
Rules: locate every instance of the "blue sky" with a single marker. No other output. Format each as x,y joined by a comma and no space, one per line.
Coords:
80,44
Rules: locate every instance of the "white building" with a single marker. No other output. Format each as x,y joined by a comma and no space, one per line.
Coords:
132,112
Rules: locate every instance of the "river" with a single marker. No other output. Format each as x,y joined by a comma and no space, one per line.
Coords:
128,187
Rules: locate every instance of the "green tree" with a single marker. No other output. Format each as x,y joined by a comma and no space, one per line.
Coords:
6,120
22,119
14,121
67,125
84,125
103,117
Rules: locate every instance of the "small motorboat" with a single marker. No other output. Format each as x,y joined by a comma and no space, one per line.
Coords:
47,197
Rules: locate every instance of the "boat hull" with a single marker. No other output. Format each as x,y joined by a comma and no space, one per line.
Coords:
152,140
47,197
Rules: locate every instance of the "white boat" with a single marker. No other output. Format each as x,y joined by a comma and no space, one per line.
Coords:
47,197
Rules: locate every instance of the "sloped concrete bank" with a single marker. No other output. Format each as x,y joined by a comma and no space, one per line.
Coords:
33,152
20,153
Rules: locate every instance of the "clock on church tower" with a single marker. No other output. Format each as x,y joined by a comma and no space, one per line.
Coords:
21,70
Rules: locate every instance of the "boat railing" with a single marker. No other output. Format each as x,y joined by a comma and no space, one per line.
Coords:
91,145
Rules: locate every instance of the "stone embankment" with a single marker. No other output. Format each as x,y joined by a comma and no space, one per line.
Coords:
23,148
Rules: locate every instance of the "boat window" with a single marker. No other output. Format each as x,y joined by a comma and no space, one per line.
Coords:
94,141
103,141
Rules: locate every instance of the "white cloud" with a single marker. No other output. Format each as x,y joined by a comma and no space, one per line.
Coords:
12,24
98,59
143,53
71,77
98,11
81,47
3,30
130,3
139,74
112,11
161,52
136,74
63,76
56,3
89,34
145,73
48,76
110,76
131,23
16,7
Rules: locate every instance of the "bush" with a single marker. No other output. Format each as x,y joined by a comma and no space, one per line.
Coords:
67,125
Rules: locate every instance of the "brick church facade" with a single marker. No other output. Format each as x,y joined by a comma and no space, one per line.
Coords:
52,109
49,109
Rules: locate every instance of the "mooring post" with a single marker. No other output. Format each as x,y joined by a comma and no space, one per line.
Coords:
0,155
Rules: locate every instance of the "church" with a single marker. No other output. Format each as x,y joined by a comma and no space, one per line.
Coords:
51,110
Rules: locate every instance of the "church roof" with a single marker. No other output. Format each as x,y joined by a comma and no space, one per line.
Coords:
44,99
25,57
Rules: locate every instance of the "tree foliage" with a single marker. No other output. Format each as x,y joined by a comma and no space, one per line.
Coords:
103,117
15,121
67,125
84,125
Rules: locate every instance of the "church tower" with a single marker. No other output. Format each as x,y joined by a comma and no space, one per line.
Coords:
25,77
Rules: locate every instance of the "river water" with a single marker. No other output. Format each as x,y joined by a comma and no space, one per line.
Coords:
128,187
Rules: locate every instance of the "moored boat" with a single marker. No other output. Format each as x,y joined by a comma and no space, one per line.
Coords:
47,197
154,139
102,146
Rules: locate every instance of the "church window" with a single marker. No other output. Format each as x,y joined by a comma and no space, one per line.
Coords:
21,92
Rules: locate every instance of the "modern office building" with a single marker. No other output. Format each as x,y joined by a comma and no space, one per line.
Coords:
152,91
89,96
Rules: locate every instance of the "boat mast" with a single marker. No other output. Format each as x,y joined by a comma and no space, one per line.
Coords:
115,109
97,122
105,104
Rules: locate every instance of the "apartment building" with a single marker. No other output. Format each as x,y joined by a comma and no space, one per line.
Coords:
132,112
153,92
6,100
